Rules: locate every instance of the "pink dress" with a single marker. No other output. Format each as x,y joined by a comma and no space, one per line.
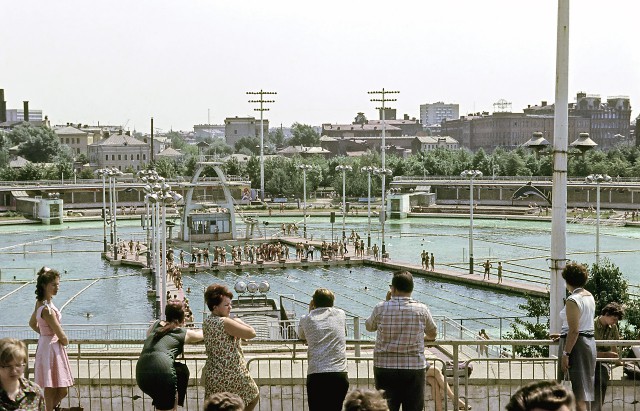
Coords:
52,369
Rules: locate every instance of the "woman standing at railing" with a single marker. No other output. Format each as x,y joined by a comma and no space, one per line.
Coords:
577,351
52,370
225,369
157,373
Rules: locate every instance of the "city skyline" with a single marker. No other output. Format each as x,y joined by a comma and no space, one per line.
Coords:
121,63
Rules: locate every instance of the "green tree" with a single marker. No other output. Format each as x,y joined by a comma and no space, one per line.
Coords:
36,144
219,147
607,284
252,144
304,135
276,138
523,329
360,119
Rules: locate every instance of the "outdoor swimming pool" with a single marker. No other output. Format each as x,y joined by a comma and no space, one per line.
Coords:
112,295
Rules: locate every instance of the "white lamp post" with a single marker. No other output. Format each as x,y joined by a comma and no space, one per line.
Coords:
103,173
368,170
304,168
113,174
471,174
383,172
597,179
344,169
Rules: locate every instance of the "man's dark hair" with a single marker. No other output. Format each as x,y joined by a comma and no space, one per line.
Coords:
613,309
402,281
547,395
323,298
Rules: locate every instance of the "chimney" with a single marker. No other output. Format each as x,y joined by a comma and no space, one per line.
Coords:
25,105
543,104
406,117
3,107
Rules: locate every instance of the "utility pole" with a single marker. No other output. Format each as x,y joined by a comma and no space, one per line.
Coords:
383,212
262,109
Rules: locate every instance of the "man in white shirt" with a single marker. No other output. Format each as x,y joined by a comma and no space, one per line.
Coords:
324,329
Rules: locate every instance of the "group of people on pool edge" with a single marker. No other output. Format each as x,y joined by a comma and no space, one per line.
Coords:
402,325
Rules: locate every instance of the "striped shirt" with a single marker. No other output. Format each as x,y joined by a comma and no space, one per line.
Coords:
401,324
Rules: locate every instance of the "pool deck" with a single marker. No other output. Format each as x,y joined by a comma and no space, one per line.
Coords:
440,273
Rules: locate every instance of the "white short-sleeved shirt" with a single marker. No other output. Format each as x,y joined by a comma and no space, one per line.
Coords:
324,329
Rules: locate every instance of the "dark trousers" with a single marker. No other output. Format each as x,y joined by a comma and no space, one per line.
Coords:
402,387
326,391
600,386
182,381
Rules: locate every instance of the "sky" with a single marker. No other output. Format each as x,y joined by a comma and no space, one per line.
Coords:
121,62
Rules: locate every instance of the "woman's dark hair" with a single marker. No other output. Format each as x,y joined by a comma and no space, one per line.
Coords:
224,401
214,293
547,395
402,281
576,275
174,313
46,275
323,298
613,309
365,400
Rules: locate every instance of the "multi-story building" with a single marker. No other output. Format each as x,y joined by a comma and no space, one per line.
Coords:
121,151
360,130
428,143
434,113
237,127
507,130
209,130
609,121
77,140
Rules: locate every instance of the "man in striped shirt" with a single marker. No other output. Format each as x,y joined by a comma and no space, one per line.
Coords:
402,325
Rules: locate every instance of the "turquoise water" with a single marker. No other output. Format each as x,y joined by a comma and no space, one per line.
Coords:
119,295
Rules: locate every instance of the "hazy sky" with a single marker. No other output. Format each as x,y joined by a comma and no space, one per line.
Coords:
124,61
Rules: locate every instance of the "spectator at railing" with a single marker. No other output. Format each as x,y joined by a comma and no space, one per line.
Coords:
365,400
605,328
17,392
157,373
324,329
224,401
402,325
577,350
542,396
225,369
52,369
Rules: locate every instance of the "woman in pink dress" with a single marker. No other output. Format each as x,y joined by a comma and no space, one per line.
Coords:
52,369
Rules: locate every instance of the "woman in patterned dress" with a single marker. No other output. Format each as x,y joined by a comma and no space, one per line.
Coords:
52,370
17,392
225,369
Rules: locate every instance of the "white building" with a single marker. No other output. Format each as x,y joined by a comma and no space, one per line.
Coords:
434,113
120,151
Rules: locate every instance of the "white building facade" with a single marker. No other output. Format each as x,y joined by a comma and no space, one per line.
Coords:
434,113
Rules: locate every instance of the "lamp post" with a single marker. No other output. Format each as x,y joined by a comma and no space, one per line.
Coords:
262,101
304,168
598,179
368,170
471,174
113,174
383,172
103,173
344,169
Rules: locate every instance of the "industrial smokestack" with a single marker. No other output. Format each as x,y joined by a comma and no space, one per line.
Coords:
3,107
26,110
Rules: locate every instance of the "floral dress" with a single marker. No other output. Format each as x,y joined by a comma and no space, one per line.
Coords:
225,369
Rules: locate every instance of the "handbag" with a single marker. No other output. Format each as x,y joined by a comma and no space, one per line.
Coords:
566,382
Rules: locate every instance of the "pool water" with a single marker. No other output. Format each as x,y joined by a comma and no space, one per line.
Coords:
119,294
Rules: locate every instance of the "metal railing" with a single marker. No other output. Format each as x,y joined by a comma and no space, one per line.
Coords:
105,379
